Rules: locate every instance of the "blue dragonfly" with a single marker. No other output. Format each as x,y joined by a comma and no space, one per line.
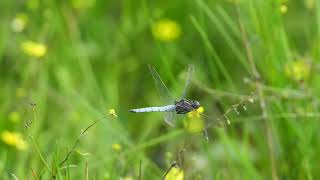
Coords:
172,107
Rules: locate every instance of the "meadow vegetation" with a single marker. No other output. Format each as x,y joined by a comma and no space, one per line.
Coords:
71,70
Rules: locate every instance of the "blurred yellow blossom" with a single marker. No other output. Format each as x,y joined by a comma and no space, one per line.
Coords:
298,70
166,30
19,23
116,147
112,112
175,174
196,113
14,117
14,139
283,8
194,123
34,49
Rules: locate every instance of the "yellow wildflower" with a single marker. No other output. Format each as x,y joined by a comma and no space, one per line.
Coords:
116,147
112,112
194,123
14,117
34,49
166,30
19,23
298,70
283,9
196,113
175,174
14,139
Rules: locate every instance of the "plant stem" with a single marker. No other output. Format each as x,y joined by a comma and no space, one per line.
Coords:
259,88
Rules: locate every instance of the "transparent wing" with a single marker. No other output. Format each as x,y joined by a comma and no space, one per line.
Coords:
169,118
163,91
164,94
217,122
188,80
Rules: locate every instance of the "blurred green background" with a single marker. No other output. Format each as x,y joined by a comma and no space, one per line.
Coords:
67,64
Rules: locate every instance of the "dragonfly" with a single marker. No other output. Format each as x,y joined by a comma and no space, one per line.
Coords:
172,107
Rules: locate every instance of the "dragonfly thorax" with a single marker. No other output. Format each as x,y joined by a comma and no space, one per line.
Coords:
184,106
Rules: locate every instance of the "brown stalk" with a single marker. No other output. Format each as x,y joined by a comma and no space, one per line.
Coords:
259,88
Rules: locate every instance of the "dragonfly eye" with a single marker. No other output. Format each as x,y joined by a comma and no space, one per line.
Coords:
195,104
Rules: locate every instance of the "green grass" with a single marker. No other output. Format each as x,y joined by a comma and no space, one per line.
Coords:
97,59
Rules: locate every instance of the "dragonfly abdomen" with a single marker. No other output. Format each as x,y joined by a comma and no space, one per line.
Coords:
154,109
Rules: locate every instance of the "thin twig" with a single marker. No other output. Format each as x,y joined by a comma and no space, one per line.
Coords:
41,157
257,77
77,142
224,116
86,172
27,126
283,115
173,164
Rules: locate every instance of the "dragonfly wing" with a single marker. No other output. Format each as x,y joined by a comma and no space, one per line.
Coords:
188,80
163,91
214,122
164,94
169,118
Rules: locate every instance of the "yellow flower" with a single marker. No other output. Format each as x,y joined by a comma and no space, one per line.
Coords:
283,9
116,147
196,113
194,123
34,49
166,30
14,139
112,112
19,23
14,117
298,70
175,174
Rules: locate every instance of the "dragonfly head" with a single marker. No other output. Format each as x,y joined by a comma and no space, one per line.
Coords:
195,104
